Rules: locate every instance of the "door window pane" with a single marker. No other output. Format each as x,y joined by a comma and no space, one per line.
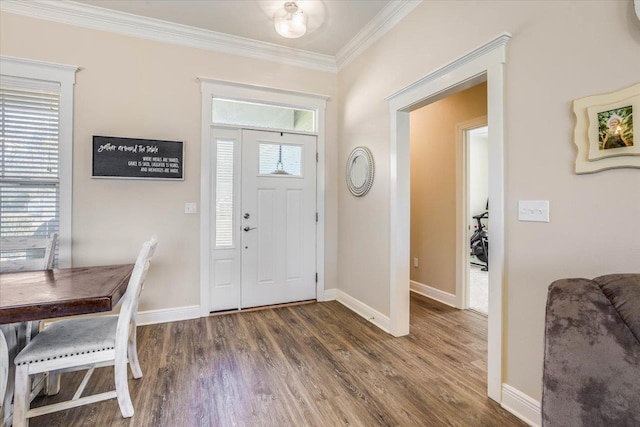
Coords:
276,159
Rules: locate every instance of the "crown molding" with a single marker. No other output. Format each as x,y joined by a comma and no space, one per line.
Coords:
68,12
97,18
384,21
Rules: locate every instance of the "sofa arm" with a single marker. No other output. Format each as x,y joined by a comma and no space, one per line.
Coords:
591,360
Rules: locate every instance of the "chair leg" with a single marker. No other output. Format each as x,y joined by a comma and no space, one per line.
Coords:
9,335
53,384
21,396
132,350
122,386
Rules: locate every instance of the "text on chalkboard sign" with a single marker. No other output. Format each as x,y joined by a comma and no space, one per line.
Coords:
137,158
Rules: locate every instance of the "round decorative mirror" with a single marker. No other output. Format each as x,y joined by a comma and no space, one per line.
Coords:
360,171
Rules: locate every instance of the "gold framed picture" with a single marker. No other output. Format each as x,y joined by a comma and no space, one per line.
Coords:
605,131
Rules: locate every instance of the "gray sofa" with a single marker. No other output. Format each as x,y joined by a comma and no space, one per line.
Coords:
592,352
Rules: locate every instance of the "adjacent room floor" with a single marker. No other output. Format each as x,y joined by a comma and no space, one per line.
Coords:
478,289
306,365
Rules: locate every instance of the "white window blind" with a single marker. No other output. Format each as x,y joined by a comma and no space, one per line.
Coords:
224,194
29,154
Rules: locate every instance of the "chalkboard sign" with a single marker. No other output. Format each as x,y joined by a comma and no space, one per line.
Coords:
137,158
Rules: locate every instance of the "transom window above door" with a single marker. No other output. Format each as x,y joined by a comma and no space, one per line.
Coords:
251,114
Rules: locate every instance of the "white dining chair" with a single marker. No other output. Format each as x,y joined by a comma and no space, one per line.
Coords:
17,254
28,253
81,344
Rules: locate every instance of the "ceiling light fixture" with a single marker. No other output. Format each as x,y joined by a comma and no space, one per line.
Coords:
290,21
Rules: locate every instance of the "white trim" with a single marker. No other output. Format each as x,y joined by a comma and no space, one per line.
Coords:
433,293
206,185
384,21
521,405
329,295
65,75
275,96
496,43
165,315
97,18
487,61
363,310
265,94
462,212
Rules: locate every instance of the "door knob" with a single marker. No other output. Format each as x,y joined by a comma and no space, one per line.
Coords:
247,228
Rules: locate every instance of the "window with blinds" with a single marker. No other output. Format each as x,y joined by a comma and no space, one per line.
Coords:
29,154
224,194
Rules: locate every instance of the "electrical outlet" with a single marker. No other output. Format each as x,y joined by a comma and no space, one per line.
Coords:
415,262
190,208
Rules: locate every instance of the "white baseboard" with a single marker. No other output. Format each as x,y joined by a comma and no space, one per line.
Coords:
151,317
433,293
521,405
330,295
380,320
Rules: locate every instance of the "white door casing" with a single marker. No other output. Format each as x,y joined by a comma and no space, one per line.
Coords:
278,221
487,60
209,255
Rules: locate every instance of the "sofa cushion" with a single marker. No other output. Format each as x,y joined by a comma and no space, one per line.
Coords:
591,360
623,290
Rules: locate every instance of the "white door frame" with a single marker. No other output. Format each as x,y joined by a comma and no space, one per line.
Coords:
462,212
486,62
211,88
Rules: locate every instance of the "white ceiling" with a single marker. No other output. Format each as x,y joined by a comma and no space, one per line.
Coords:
332,23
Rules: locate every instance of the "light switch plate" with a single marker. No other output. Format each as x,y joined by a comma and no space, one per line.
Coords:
533,210
190,208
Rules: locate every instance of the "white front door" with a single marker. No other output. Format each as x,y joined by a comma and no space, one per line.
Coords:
278,218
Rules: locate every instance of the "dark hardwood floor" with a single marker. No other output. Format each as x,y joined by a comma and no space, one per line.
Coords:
306,365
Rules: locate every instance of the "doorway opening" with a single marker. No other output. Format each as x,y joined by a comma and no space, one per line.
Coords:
476,141
441,158
486,63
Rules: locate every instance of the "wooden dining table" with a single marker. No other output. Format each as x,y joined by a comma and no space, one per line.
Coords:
46,294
